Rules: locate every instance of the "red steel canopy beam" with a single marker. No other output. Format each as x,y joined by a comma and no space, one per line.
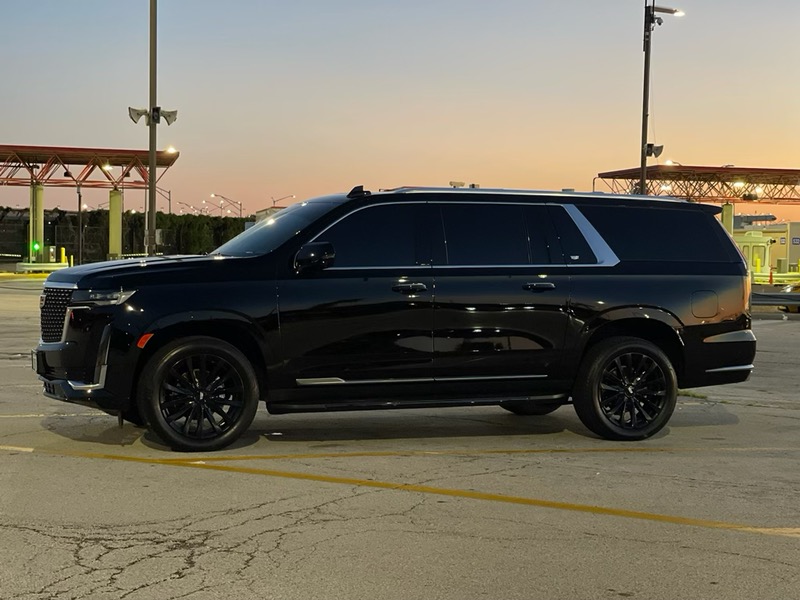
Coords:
710,183
50,166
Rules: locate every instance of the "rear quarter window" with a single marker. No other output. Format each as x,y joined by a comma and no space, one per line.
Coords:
659,234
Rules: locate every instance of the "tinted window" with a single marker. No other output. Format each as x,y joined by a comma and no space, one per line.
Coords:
376,236
485,234
652,233
575,247
269,233
541,236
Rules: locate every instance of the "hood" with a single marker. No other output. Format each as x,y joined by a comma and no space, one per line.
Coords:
153,270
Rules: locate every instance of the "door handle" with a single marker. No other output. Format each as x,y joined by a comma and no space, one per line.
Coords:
539,286
409,288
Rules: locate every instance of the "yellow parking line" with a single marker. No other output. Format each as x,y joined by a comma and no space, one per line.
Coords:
17,449
200,463
390,453
400,453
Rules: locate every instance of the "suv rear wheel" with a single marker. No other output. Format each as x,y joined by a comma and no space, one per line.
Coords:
198,394
626,389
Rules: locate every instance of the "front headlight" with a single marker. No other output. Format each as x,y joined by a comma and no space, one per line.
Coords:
102,297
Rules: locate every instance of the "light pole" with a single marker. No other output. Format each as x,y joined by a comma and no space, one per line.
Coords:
193,209
168,195
67,173
274,201
228,200
650,22
153,116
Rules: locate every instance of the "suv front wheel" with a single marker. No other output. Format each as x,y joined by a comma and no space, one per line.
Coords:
198,394
626,389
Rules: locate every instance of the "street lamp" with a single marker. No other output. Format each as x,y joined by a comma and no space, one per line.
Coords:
209,209
650,22
67,173
189,206
274,201
228,200
153,115
168,195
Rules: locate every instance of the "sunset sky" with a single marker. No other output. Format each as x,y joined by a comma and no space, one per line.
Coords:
315,96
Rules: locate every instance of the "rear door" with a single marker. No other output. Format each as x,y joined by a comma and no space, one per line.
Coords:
502,291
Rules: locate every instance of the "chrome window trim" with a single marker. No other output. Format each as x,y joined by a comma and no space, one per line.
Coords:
359,209
602,251
343,217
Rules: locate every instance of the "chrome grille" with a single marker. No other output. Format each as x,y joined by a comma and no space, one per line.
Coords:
53,311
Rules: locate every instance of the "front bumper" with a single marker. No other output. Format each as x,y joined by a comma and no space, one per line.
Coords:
70,374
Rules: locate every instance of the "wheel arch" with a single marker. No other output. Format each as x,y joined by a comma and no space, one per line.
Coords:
654,325
232,329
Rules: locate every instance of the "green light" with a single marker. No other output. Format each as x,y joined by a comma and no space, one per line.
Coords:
36,246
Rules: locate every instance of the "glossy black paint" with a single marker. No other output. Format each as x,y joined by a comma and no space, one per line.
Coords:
422,334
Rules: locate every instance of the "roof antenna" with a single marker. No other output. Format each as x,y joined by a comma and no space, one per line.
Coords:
358,191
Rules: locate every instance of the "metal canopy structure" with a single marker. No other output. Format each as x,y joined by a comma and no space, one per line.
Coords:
709,183
50,166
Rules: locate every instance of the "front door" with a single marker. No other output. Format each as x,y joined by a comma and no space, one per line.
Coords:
368,318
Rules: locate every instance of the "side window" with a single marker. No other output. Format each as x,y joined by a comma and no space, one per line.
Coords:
655,233
541,236
376,236
575,247
485,234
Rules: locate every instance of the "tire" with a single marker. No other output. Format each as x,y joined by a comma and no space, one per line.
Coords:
626,389
132,415
198,394
525,408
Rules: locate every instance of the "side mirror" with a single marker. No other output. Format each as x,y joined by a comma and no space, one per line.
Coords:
315,256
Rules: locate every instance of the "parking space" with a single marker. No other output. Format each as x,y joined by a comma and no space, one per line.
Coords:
452,503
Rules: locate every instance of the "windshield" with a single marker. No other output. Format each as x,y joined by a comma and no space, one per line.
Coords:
269,233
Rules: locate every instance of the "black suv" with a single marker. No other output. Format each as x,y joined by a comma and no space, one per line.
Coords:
408,298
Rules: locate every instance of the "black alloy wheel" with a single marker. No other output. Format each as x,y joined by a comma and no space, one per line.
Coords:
626,389
199,394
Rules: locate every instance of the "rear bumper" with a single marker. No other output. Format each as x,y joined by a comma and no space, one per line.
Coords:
729,361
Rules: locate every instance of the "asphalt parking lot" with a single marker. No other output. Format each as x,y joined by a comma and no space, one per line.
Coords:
462,503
